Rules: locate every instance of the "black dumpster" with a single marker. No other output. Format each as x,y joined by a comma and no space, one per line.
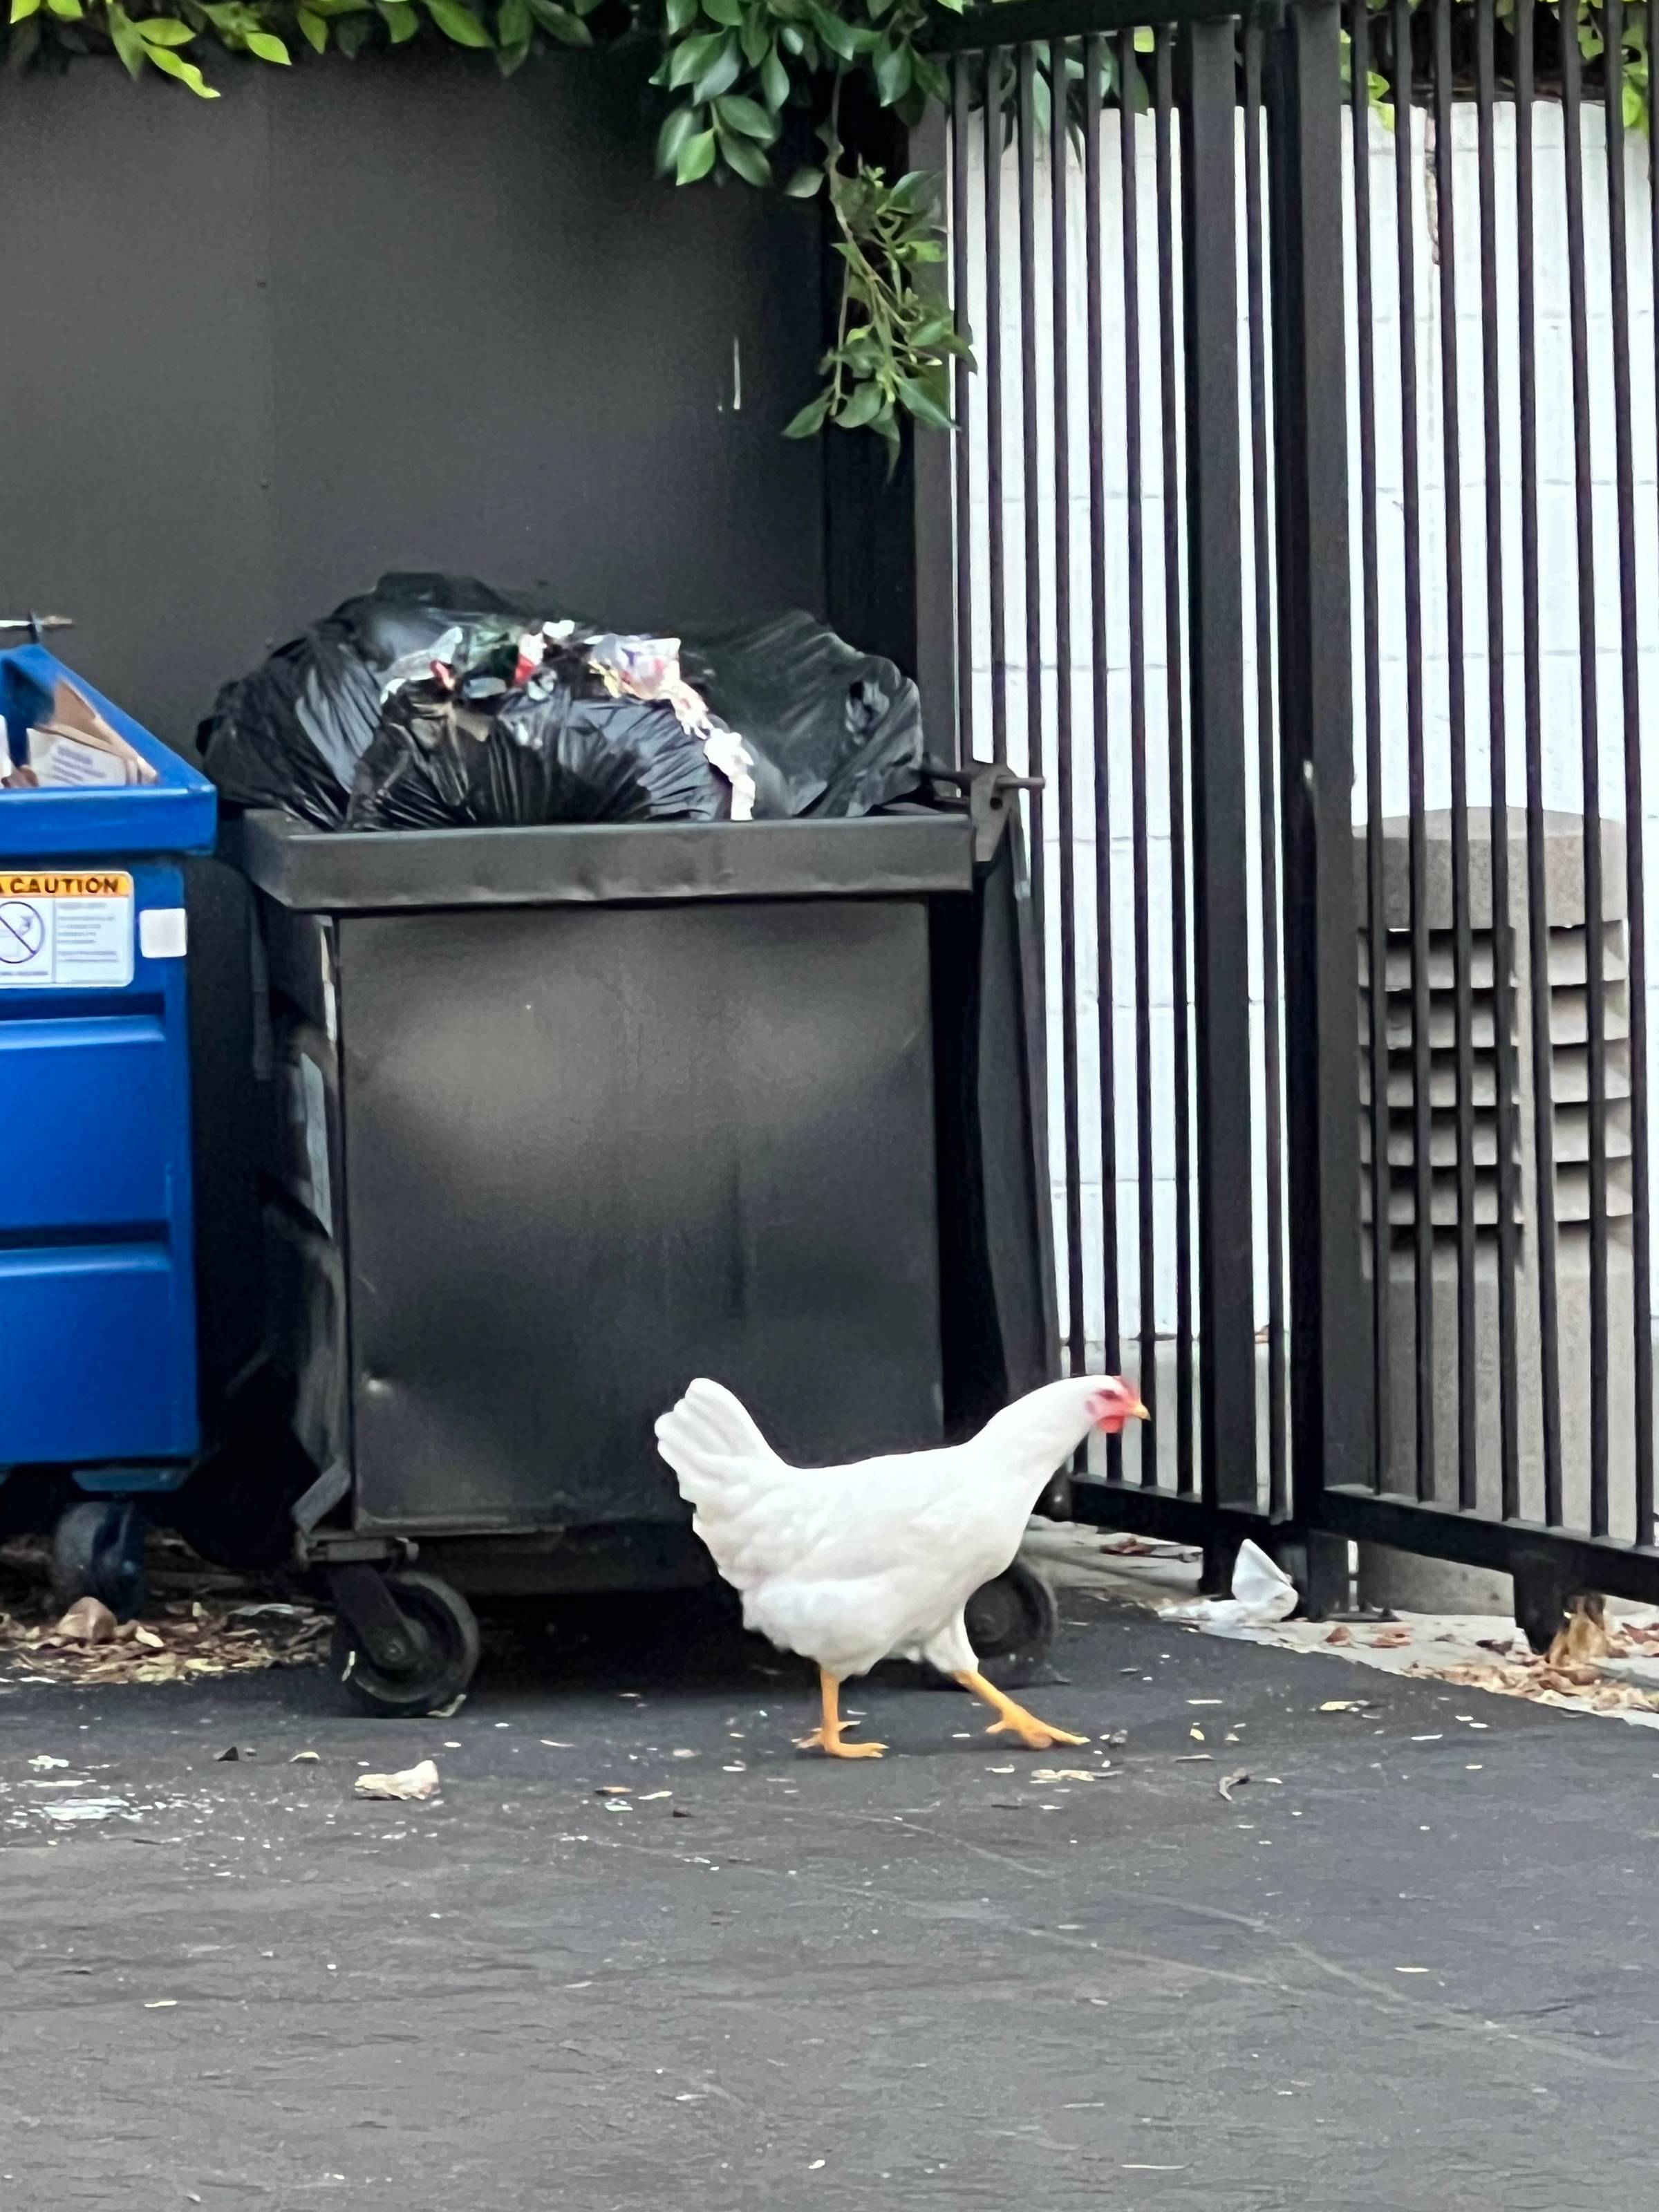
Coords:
565,1117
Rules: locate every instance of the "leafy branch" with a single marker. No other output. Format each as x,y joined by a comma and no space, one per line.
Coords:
753,86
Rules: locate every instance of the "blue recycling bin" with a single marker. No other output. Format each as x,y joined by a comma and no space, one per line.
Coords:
98,1361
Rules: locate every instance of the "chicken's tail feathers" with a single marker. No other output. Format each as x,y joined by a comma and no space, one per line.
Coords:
709,1437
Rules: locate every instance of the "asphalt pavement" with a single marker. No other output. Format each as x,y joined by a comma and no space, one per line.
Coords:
642,1953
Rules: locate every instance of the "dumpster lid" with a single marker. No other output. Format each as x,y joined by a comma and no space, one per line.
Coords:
598,864
176,814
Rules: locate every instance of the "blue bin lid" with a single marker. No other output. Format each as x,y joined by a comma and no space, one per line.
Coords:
176,814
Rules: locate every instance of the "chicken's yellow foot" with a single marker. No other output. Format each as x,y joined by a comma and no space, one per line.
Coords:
827,1736
1035,1734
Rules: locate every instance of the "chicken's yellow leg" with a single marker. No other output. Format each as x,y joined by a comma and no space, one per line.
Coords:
827,1736
1035,1734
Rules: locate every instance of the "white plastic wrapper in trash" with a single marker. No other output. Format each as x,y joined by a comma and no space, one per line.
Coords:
1262,1594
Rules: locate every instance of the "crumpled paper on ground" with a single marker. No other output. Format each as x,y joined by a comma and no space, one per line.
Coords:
416,1783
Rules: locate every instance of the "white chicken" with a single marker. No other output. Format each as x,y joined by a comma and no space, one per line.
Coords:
850,1565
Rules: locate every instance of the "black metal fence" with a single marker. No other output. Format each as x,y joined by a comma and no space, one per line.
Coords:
1400,1295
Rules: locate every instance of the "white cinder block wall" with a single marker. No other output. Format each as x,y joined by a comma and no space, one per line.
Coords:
1558,578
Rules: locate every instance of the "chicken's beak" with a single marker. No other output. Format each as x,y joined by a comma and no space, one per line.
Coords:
1139,1412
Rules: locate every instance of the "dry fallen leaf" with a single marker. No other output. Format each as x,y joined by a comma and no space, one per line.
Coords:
1583,1638
414,1782
1342,1705
1062,1774
1229,1783
89,1620
300,1757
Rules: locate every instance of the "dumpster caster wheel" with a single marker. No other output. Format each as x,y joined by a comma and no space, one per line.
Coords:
1011,1626
442,1636
98,1551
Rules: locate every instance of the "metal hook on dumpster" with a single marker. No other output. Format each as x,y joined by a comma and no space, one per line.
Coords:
987,788
37,625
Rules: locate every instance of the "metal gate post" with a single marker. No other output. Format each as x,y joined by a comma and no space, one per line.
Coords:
1207,92
1330,1368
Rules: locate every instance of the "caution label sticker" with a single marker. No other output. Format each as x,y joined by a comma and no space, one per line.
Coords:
64,929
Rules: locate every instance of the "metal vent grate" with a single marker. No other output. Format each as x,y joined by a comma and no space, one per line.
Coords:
1442,1079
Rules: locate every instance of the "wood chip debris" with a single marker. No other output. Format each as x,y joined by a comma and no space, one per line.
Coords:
1549,1684
1235,1780
200,1623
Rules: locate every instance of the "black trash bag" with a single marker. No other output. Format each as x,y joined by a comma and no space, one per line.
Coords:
546,754
833,731
291,733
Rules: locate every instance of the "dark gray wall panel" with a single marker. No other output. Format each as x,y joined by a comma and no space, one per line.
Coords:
389,314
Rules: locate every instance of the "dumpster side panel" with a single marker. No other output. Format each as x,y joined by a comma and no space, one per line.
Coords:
97,1325
591,1153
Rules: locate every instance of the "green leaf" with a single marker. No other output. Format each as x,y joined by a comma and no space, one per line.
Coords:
696,158
915,193
562,23
1145,40
755,39
810,420
863,407
164,31
401,21
174,65
22,9
838,35
681,13
923,405
747,117
510,59
693,56
892,66
803,184
458,22
775,80
673,135
931,78
722,71
267,48
513,23
67,11
728,13
745,159
353,36
313,29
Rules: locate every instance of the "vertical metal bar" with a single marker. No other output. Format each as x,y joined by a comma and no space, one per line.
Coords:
996,557
1537,880
1417,830
1637,905
1216,619
1331,1415
1590,756
1376,926
1176,710
1025,144
962,441
1635,881
1094,92
1131,430
1502,934
1445,204
931,646
1076,1340
1267,760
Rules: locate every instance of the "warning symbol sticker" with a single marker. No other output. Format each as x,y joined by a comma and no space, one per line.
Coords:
65,930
